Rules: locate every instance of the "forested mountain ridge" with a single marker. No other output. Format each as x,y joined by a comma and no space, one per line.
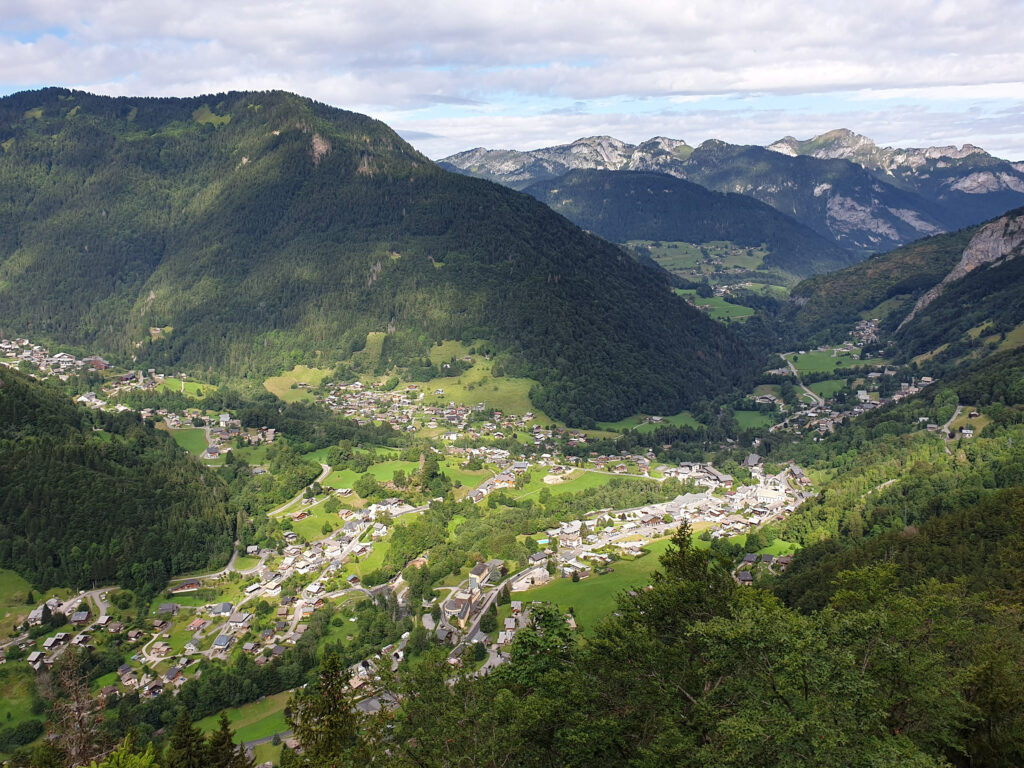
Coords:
949,295
88,497
252,231
635,205
866,201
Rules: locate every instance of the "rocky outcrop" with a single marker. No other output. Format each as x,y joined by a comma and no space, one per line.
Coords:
998,241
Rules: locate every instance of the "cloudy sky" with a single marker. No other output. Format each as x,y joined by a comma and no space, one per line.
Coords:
459,74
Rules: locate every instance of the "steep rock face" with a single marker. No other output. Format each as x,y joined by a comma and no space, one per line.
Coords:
996,241
967,182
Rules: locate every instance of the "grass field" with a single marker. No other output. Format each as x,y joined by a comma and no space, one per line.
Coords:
300,374
253,721
1014,338
505,393
16,682
639,423
371,562
594,598
827,388
13,608
753,419
192,439
468,478
706,259
818,361
382,472
189,388
579,481
717,307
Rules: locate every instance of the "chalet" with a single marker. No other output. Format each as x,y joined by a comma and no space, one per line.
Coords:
221,609
222,643
135,634
239,620
80,617
168,609
36,659
160,649
172,674
196,624
189,585
746,578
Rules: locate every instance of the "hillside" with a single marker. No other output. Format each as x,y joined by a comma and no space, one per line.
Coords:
840,185
259,230
631,205
970,184
95,498
950,295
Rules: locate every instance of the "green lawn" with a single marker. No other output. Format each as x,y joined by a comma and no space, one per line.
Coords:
300,374
639,423
381,472
594,598
16,680
827,388
818,361
245,563
371,562
579,481
718,308
754,419
253,721
469,478
189,388
253,454
505,393
13,608
192,439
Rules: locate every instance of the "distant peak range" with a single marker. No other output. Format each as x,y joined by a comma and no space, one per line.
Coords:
840,184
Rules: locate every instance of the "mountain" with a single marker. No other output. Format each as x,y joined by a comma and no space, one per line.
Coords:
840,185
88,497
634,205
970,184
241,233
521,169
950,296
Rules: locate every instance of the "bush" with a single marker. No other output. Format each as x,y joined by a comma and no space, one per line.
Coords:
20,735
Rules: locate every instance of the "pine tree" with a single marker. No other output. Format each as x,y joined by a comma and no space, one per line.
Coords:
223,751
186,748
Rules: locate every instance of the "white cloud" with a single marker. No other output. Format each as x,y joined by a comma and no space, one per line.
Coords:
390,57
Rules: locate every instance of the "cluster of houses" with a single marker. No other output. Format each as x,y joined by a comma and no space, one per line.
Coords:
61,363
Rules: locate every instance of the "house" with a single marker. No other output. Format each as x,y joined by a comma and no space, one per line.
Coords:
517,607
115,627
538,558
160,649
196,624
239,620
746,578
478,575
80,617
221,609
189,585
510,623
36,659
168,609
222,643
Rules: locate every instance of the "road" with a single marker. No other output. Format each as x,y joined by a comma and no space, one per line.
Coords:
818,401
326,470
945,427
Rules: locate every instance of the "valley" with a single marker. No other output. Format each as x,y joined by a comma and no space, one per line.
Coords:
681,455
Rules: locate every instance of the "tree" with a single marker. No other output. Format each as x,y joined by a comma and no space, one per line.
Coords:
186,747
489,621
324,719
223,751
504,598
